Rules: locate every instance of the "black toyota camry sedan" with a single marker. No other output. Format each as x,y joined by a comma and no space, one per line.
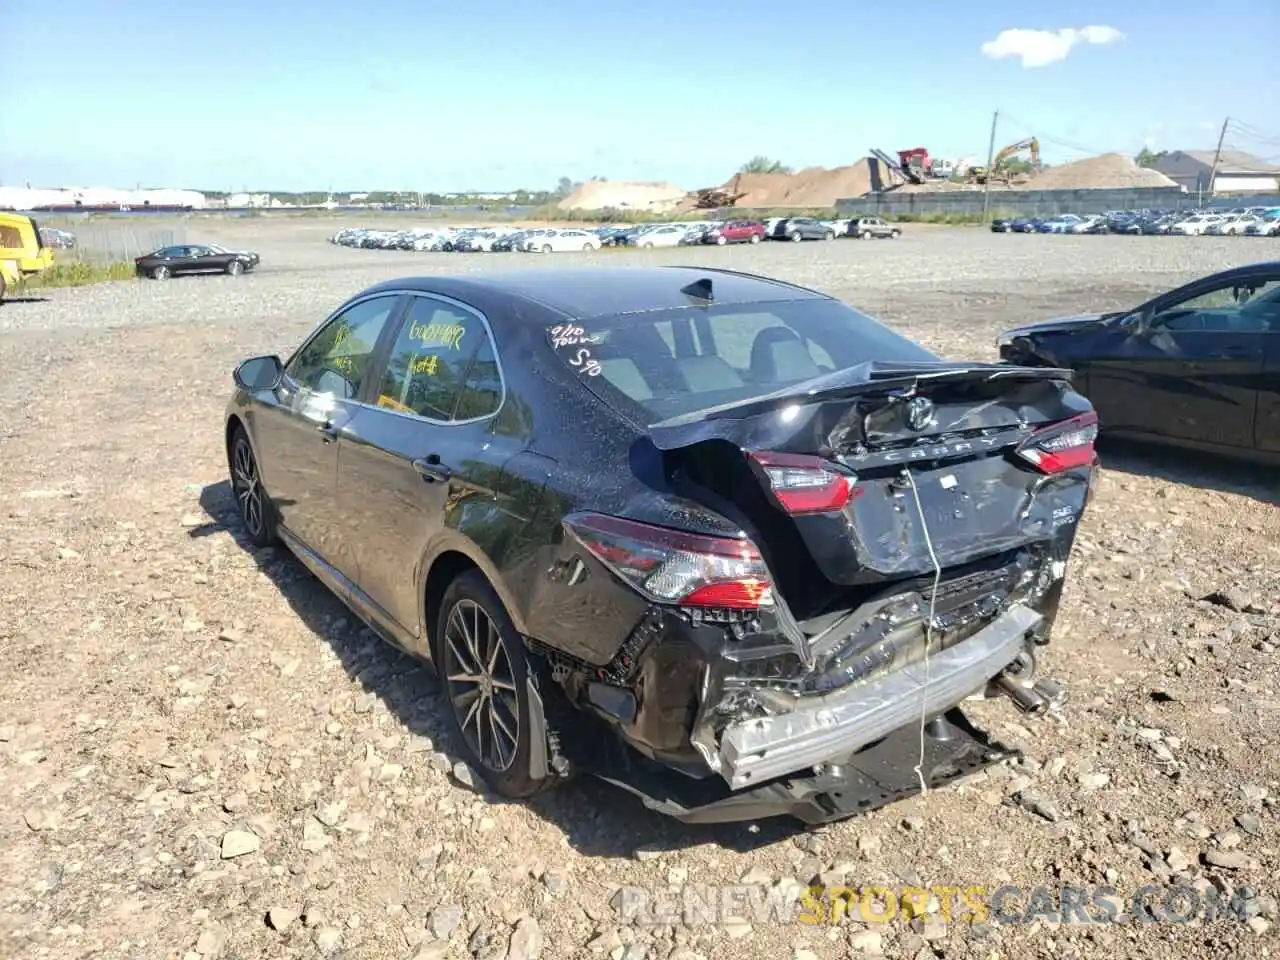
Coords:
194,258
724,541
1196,367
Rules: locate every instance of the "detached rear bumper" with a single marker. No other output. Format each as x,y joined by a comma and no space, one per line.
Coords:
830,729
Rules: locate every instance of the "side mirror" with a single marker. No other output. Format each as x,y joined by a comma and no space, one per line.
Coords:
1144,322
259,373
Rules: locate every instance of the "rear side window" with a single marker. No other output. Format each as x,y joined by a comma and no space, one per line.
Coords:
668,363
430,371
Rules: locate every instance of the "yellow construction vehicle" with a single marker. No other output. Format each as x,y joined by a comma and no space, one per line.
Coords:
1030,144
22,253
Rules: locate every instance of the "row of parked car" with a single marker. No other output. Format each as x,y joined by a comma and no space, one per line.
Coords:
499,238
1241,221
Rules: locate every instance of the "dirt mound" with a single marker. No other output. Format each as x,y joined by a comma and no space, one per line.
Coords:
810,187
624,195
1109,171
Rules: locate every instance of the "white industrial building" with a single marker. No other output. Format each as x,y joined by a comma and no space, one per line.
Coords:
1238,172
29,198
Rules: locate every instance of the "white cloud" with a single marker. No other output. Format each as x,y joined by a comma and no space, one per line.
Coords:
1039,48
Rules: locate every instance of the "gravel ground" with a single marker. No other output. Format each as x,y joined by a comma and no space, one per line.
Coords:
202,755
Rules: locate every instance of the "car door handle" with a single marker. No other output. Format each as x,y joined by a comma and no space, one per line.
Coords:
431,469
328,431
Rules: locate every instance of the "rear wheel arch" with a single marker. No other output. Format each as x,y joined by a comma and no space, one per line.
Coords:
445,568
448,563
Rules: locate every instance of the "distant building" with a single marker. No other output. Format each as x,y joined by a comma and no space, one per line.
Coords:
98,198
240,201
1238,172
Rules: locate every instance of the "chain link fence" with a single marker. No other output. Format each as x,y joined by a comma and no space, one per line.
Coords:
111,241
968,204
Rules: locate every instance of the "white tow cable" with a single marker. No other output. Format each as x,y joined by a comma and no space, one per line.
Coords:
928,630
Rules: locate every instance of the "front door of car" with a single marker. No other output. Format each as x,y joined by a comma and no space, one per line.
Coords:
1188,369
423,453
299,428
199,259
1203,360
1264,305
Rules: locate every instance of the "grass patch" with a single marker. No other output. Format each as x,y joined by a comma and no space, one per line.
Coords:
80,273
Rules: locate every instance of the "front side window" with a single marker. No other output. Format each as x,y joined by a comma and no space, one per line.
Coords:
431,362
336,360
1233,307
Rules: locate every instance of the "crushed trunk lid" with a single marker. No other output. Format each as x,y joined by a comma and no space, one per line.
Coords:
886,469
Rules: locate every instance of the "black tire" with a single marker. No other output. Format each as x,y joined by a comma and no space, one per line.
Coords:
894,234
235,268
755,238
829,235
503,756
796,238
160,273
257,512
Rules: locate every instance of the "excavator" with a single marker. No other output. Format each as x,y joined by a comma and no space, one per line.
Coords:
1030,144
715,198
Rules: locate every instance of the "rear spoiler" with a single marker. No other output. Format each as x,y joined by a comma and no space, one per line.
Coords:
873,377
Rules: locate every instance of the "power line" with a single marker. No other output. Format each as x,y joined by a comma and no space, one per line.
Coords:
1050,139
1253,134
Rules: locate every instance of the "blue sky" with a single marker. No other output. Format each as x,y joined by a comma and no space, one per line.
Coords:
490,95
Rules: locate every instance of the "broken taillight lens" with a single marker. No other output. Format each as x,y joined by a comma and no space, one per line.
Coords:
802,483
1063,446
673,566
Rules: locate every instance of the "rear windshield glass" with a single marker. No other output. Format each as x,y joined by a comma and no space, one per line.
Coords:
671,362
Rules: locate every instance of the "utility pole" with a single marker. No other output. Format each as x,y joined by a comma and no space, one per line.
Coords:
991,152
1217,158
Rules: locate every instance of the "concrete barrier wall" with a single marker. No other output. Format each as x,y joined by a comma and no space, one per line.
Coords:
1031,203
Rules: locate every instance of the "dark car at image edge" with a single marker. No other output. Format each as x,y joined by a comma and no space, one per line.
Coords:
721,540
1196,367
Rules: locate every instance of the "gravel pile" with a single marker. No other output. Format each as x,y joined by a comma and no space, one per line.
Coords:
1105,172
204,756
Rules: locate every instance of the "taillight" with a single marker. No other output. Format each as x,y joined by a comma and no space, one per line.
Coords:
1063,446
673,566
802,483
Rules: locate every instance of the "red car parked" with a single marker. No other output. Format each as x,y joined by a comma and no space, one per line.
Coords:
735,231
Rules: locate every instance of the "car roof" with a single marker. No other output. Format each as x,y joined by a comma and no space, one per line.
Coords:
585,292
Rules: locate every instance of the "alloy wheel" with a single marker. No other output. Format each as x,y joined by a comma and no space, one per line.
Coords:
247,486
481,685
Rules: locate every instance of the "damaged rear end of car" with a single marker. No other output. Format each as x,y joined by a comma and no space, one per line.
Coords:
873,545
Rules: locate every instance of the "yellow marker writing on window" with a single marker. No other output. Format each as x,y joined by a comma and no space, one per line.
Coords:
391,403
438,334
426,365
